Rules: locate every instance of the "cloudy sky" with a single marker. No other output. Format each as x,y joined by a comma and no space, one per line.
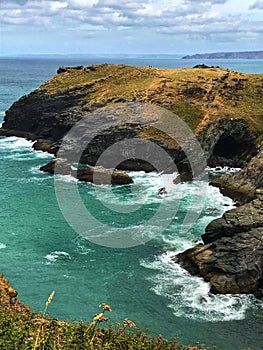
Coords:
130,26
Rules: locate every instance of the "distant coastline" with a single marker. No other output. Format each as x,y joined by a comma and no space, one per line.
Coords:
227,55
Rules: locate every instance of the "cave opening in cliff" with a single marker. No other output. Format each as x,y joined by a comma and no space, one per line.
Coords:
227,147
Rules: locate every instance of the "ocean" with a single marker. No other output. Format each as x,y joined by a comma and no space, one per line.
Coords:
40,252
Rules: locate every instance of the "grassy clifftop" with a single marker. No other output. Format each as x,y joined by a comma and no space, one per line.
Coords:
199,96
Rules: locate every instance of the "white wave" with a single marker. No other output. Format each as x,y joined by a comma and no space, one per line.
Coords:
2,246
21,149
82,249
34,179
36,170
66,178
14,142
43,155
54,256
189,296
221,170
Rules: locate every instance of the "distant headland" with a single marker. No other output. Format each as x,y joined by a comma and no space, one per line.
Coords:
228,55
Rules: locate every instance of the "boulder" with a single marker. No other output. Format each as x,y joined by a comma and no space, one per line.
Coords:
102,176
43,145
60,166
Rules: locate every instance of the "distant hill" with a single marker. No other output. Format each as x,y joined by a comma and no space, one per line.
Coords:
227,55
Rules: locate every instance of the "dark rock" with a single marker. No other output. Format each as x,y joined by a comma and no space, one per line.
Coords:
201,66
194,91
58,166
183,177
102,176
42,145
66,69
228,142
162,191
241,219
242,186
231,258
57,113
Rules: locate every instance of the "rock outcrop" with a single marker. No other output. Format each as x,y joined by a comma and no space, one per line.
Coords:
8,297
97,175
242,186
231,258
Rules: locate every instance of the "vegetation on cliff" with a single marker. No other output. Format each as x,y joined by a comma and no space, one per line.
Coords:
118,102
21,329
199,96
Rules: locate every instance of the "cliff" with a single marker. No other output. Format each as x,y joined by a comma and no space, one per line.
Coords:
228,55
8,297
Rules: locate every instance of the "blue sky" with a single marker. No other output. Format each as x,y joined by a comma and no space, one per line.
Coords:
130,26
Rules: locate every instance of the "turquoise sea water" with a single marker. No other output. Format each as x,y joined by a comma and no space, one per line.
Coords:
39,252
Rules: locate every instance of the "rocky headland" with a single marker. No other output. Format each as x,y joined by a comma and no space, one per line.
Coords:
223,109
246,55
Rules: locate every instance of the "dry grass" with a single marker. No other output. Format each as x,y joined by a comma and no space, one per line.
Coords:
224,94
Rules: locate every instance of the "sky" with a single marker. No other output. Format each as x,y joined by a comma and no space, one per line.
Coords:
129,26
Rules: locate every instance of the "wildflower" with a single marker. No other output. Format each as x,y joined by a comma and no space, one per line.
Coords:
50,298
100,318
105,307
97,317
129,323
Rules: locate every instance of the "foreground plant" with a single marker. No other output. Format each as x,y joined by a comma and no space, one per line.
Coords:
31,331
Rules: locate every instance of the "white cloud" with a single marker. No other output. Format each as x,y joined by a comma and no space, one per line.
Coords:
149,10
257,5
192,19
82,4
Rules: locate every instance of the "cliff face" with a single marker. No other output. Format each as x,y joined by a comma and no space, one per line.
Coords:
200,97
242,186
231,258
8,297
